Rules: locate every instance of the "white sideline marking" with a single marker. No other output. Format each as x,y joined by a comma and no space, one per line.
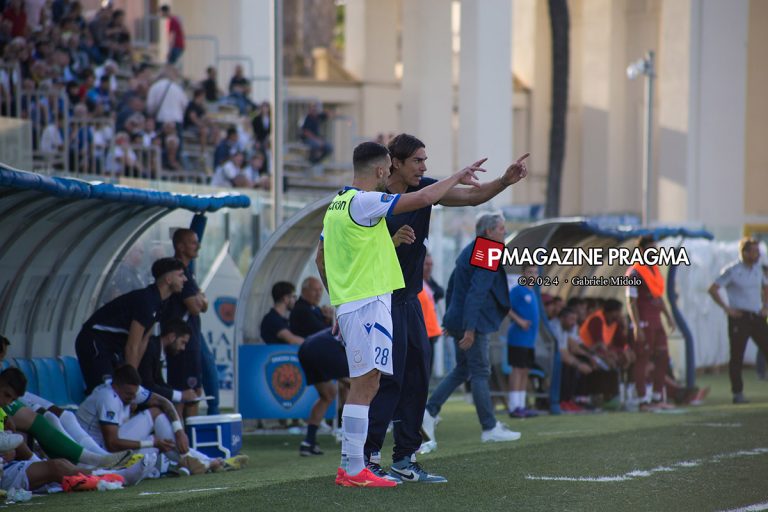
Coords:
561,432
638,473
715,425
751,508
184,491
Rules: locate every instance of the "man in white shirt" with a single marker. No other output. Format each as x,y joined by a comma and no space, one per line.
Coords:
166,100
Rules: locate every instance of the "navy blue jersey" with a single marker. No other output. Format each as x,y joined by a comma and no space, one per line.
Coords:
176,307
411,256
272,323
143,305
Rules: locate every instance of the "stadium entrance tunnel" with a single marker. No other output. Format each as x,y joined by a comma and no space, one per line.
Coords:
60,240
583,234
282,258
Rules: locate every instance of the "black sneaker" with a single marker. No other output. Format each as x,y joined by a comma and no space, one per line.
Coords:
307,450
738,398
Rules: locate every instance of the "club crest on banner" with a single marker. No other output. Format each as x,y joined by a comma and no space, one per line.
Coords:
225,310
285,378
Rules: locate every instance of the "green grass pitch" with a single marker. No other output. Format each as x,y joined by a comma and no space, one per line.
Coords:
711,457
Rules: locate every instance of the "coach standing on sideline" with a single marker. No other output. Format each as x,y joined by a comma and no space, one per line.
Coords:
747,289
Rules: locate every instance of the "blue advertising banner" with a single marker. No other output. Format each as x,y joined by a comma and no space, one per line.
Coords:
273,385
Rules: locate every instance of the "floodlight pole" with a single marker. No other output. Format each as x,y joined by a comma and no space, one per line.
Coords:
650,75
278,117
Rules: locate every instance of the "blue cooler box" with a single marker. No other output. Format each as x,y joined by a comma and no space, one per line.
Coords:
216,436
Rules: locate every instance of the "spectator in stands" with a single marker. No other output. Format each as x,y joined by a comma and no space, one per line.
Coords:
226,147
185,368
262,125
118,38
210,86
122,159
275,326
197,122
171,145
98,26
173,339
16,15
231,174
256,171
238,82
319,148
166,101
135,105
175,35
102,95
148,132
307,316
118,331
52,139
521,340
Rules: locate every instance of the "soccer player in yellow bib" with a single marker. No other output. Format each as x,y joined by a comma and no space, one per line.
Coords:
357,262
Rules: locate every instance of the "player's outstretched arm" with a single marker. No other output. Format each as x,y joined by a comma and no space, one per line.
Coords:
473,196
433,193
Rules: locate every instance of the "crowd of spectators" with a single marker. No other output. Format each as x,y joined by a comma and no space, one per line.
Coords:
76,78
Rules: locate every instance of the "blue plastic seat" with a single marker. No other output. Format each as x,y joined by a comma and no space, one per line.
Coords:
25,365
51,380
74,379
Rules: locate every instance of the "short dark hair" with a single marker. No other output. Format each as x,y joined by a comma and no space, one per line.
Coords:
179,234
366,153
282,288
574,302
404,145
175,326
165,8
126,374
15,379
566,311
4,342
231,131
611,305
165,265
646,241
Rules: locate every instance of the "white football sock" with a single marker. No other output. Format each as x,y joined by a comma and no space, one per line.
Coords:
355,429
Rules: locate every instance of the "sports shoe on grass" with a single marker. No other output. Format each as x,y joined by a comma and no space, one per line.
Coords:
236,462
409,471
738,398
428,425
499,433
119,460
366,479
307,450
79,482
340,476
427,447
377,470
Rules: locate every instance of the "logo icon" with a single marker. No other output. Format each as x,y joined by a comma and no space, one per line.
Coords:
285,378
225,310
368,327
385,198
486,254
